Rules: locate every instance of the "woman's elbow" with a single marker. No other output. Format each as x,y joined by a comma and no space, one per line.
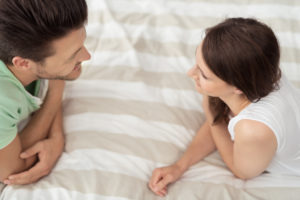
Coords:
245,174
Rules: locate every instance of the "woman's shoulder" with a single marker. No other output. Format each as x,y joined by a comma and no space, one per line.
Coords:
252,131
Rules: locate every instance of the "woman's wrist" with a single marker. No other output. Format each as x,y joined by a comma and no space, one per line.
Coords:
182,165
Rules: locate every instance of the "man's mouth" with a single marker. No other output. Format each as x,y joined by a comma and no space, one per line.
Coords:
77,67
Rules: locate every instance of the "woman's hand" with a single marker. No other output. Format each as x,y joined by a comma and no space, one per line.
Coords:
207,111
162,177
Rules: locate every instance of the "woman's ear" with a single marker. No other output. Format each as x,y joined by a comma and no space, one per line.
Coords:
21,63
238,91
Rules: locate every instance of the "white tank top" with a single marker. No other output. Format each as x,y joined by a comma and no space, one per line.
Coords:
280,111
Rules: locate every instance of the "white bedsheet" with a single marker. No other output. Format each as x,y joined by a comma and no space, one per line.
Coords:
134,108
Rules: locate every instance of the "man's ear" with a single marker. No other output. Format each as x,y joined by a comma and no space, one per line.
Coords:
21,63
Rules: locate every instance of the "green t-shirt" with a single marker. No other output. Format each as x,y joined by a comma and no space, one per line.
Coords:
16,104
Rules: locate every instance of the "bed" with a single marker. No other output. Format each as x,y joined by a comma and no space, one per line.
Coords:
134,108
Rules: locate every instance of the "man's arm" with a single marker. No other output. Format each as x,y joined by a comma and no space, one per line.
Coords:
47,155
11,161
39,125
36,130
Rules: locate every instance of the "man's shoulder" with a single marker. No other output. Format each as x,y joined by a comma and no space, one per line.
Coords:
8,87
10,94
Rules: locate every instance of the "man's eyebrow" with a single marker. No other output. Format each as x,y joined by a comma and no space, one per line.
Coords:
74,54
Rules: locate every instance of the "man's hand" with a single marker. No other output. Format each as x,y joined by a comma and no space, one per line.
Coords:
48,157
162,177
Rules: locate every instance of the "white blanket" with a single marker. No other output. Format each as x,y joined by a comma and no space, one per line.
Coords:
134,108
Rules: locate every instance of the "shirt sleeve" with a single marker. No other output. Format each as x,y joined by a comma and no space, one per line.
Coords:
8,128
13,108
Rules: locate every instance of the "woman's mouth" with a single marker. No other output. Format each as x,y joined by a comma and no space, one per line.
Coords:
197,83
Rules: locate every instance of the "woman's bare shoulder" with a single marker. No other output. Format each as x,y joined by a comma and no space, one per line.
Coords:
247,130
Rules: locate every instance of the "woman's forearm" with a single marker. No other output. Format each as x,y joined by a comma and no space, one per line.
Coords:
202,145
224,145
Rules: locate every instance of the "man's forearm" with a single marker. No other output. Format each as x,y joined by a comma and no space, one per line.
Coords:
39,125
20,165
56,129
11,161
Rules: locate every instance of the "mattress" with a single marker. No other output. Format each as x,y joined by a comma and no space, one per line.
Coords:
134,108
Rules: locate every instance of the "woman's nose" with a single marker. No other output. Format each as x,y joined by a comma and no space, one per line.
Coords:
191,71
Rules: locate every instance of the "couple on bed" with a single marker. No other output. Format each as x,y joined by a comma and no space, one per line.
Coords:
252,111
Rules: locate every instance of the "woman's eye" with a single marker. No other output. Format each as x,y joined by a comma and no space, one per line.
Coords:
201,73
203,76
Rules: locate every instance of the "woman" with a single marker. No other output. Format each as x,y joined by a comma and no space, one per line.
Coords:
252,112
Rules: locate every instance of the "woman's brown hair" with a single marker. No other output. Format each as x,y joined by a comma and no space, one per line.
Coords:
244,53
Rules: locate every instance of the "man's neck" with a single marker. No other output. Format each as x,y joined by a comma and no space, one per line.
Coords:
25,77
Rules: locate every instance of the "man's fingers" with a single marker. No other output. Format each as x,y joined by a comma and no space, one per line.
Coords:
31,151
30,176
18,179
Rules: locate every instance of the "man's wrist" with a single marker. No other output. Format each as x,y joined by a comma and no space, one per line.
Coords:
59,139
57,135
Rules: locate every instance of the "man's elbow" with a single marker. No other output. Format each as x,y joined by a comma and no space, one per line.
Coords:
6,171
4,174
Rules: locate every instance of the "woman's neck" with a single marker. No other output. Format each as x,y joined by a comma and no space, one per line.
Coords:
236,103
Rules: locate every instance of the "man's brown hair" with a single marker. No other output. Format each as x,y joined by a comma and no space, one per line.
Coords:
27,27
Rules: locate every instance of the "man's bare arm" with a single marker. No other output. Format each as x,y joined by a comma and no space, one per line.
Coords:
37,129
39,125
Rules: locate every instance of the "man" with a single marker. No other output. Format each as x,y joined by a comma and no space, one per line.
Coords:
39,40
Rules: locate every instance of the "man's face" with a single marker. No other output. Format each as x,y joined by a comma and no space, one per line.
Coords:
65,63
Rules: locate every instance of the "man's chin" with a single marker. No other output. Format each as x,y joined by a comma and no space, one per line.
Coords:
70,77
73,75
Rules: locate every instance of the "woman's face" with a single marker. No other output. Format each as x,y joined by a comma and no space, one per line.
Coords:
206,81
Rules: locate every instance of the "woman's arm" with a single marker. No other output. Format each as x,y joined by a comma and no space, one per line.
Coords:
252,150
200,147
